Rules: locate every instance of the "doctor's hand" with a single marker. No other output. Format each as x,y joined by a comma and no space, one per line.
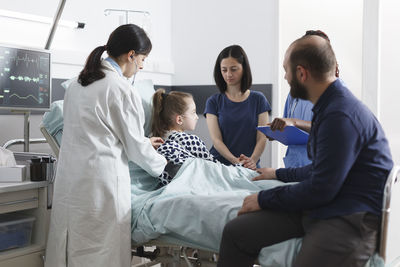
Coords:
250,204
247,162
281,123
156,141
265,174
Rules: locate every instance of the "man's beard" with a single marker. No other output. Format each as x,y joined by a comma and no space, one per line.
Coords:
297,90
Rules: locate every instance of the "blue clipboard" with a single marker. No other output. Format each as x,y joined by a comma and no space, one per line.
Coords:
290,135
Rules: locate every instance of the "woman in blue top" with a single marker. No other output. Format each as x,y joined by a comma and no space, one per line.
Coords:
297,110
233,114
297,113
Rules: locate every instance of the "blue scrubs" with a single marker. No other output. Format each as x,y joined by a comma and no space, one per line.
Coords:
296,155
115,65
237,122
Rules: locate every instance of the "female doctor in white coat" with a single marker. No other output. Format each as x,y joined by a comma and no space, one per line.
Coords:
103,129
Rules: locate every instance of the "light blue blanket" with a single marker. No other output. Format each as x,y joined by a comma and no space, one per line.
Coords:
194,208
53,121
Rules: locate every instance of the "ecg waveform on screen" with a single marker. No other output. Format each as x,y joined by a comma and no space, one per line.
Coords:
25,60
25,97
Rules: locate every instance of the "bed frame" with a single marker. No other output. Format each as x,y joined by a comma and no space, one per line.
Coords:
168,254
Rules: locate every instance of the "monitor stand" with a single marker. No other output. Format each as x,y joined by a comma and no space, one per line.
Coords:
26,141
26,130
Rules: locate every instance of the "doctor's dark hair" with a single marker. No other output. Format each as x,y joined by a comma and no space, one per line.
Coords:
165,108
122,40
237,53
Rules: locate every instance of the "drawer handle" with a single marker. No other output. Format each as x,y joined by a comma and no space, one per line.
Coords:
19,201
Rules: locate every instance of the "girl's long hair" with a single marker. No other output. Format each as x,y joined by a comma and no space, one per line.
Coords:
165,108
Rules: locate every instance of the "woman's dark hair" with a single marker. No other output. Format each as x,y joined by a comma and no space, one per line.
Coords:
237,53
122,40
165,108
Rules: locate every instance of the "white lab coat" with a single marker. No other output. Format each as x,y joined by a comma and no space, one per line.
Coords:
91,214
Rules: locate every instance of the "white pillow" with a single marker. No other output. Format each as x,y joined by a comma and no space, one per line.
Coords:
145,89
67,83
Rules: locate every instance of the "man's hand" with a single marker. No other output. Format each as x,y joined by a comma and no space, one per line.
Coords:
156,141
265,174
250,204
247,162
281,123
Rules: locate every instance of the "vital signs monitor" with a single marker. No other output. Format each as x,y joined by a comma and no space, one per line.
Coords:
25,81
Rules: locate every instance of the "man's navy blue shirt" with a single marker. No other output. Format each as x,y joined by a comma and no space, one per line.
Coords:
350,162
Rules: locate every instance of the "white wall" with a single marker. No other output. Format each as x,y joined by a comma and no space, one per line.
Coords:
341,20
71,47
389,73
201,29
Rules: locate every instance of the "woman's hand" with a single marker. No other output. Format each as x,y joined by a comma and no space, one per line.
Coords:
156,141
265,174
248,162
234,160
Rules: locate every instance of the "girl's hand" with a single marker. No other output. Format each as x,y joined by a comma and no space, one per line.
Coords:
156,141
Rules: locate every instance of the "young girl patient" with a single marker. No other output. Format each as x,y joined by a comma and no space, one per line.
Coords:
173,114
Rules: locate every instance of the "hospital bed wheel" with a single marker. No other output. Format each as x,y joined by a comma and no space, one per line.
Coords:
151,255
140,251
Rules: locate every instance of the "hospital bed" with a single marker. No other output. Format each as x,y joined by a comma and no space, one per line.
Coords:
148,254
176,252
156,252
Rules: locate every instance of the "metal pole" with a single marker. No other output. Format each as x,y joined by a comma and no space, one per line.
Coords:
54,24
26,130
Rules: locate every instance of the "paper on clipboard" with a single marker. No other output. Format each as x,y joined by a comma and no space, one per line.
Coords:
290,135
